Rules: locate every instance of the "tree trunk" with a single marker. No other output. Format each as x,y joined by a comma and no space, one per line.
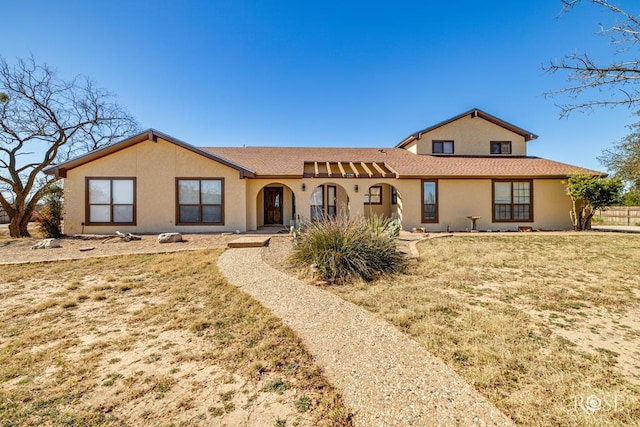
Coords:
19,224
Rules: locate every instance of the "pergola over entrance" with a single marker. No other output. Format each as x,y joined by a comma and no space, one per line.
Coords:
348,170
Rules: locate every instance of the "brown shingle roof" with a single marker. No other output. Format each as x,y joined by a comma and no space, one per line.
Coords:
289,161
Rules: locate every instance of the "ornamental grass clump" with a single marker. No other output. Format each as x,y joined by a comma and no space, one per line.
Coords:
341,250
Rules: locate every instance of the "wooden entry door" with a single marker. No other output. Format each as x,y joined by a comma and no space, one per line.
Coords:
273,205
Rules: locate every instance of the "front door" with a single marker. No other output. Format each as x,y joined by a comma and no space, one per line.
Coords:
272,205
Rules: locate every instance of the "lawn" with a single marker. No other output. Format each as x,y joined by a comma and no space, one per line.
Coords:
149,340
546,326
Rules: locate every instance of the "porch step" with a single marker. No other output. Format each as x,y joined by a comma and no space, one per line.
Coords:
249,242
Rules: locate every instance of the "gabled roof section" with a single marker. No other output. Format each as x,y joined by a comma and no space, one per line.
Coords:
528,136
60,170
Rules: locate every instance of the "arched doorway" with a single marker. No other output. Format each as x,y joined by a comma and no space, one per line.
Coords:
275,205
383,200
328,200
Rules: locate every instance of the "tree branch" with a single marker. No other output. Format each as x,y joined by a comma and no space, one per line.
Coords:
594,78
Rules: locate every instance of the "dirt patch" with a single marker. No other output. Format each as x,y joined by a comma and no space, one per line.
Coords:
92,246
149,340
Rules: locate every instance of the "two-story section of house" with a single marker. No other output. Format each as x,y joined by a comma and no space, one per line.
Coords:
473,165
476,165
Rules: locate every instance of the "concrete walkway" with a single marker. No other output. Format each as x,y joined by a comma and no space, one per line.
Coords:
385,377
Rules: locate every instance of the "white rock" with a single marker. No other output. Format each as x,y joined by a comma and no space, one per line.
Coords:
47,244
169,238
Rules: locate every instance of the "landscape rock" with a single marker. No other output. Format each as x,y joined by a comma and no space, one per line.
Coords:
169,238
47,244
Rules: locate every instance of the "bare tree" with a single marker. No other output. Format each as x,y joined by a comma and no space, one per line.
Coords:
43,120
609,84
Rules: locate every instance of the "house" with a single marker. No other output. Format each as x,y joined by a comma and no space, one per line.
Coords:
472,165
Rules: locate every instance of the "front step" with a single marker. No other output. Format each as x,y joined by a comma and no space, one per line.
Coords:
249,242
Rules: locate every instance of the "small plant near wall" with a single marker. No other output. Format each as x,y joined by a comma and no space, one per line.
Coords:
50,215
341,250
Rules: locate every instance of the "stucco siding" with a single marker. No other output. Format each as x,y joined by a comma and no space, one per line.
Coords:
460,198
155,165
471,136
551,205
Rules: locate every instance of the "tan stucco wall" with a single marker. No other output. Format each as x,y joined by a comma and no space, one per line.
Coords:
471,136
155,165
459,198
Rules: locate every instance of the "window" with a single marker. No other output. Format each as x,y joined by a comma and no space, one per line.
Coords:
373,196
332,209
429,201
512,201
200,201
500,147
317,203
394,196
111,201
442,147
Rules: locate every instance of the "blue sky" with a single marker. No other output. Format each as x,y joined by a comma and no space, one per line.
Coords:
330,73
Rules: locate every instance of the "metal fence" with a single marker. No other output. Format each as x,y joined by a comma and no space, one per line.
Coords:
620,215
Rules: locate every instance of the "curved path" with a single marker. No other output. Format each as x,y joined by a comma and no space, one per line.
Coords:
384,376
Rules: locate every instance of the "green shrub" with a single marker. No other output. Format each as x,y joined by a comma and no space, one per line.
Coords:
342,250
50,215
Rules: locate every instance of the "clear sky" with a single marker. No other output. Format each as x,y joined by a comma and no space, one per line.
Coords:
326,73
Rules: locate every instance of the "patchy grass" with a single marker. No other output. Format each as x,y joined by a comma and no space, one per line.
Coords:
149,340
546,326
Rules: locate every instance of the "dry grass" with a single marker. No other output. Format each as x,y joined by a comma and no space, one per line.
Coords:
149,340
33,230
545,326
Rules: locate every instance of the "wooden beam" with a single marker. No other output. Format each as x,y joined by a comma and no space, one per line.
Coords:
366,169
353,168
341,169
392,170
329,169
315,166
378,168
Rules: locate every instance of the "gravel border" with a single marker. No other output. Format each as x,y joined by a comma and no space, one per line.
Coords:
385,377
